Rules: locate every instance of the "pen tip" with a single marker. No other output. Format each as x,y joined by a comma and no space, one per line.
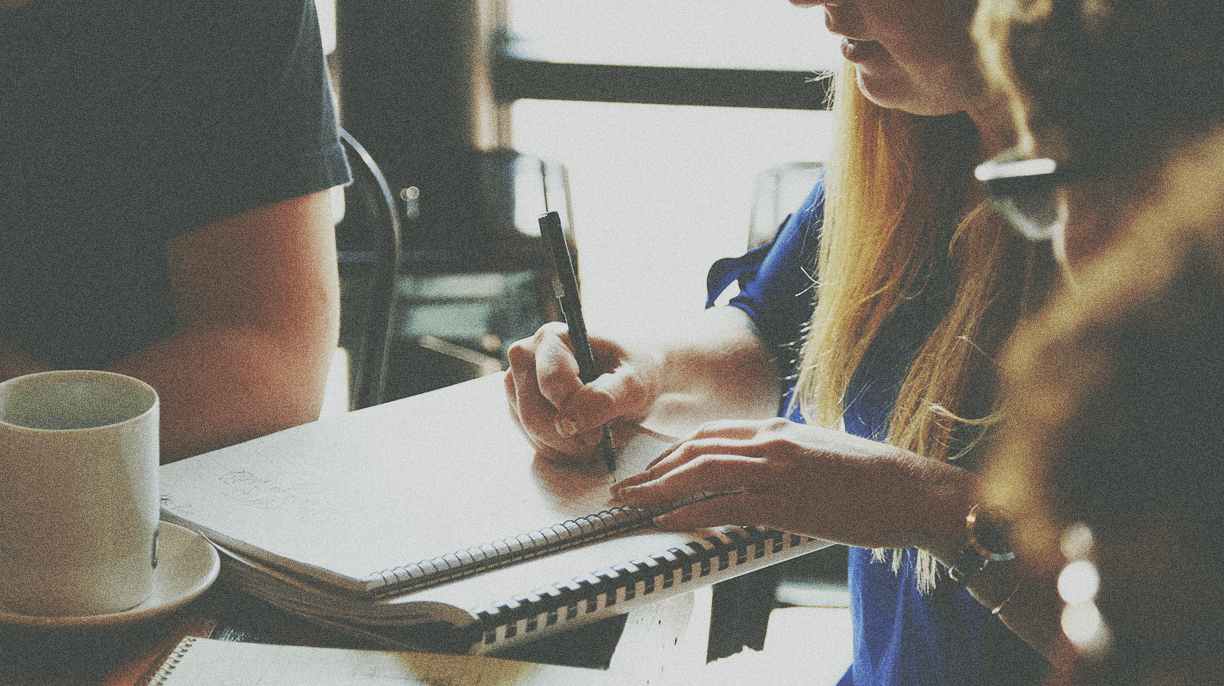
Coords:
608,450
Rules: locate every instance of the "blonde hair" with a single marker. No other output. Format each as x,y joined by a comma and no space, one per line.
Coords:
891,186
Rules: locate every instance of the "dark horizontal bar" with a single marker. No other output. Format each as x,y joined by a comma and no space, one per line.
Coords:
515,79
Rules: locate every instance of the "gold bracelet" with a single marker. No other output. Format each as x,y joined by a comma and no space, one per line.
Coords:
1007,600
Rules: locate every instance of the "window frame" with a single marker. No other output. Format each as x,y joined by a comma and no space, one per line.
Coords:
516,77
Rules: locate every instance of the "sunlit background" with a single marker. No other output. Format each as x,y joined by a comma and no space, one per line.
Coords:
659,192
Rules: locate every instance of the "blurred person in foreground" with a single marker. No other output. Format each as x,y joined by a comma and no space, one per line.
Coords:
1108,463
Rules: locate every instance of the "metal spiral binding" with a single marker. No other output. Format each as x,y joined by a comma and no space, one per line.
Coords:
164,672
570,600
568,534
507,551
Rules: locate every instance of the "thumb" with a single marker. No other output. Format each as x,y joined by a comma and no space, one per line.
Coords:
619,394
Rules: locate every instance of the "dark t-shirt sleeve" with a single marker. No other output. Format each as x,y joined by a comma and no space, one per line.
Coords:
248,111
134,122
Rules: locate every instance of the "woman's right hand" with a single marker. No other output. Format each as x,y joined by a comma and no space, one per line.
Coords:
561,416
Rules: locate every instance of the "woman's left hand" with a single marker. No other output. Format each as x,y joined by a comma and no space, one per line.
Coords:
807,480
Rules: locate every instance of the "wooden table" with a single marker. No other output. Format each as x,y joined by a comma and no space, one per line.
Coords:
91,656
669,635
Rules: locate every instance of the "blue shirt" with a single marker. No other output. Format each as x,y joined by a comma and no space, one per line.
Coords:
901,637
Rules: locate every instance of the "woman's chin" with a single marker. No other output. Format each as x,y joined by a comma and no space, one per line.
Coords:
896,93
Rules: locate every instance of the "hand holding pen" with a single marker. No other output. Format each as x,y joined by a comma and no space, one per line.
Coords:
571,308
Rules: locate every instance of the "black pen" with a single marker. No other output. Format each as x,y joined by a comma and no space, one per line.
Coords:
571,308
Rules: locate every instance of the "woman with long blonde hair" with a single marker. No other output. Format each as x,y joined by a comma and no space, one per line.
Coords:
872,322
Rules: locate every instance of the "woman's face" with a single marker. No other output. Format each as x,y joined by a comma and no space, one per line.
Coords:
912,55
1092,209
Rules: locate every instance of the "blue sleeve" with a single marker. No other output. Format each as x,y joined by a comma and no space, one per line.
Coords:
776,280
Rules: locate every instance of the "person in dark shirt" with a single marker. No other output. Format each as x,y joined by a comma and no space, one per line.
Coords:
164,206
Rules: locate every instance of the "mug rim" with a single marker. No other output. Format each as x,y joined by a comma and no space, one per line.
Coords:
153,400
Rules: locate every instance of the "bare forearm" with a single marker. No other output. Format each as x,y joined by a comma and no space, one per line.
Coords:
216,388
934,506
220,387
714,367
257,297
16,362
258,304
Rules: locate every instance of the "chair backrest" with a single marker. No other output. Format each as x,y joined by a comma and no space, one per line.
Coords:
780,191
368,241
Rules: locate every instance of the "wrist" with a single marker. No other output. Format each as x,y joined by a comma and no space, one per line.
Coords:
939,510
985,543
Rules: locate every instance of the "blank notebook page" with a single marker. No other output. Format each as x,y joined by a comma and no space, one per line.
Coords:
206,662
394,484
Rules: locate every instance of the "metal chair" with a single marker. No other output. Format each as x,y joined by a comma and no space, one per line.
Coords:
477,276
368,242
779,191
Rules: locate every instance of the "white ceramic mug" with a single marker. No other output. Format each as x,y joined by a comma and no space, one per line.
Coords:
78,493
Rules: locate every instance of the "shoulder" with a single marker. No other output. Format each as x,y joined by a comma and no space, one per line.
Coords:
244,113
234,42
797,242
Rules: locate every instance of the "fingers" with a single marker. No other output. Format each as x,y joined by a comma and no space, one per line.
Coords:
731,457
538,370
556,366
744,509
673,482
680,454
728,437
614,395
551,404
739,431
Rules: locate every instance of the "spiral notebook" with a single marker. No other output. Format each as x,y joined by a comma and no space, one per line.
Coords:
433,513
207,662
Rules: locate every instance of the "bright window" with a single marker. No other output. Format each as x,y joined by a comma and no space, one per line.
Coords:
659,192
